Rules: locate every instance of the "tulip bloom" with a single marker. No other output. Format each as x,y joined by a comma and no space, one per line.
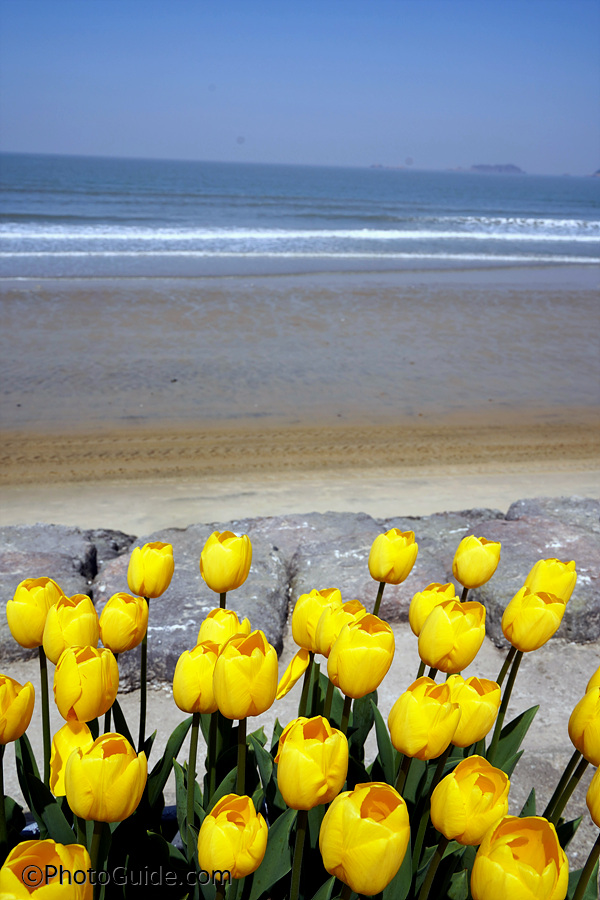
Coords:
68,738
592,798
475,561
332,620
479,701
364,836
150,569
46,869
452,635
423,720
225,561
551,576
594,680
361,656
307,613
106,781
86,681
312,762
584,726
232,838
470,800
245,679
294,672
71,622
392,556
123,622
531,619
16,708
26,612
193,679
521,859
423,603
220,625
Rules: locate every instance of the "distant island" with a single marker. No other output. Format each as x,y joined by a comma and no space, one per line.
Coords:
506,169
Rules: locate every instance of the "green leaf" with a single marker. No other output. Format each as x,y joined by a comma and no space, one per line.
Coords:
15,820
387,754
277,861
362,721
26,765
47,812
565,832
512,736
180,795
94,727
264,761
399,886
591,891
529,805
121,724
148,743
277,730
227,786
509,766
260,736
315,820
459,886
161,771
326,890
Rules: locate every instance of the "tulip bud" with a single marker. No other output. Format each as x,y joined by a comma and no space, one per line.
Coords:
233,837
16,708
592,798
312,762
452,635
27,611
46,869
361,656
106,781
245,679
469,800
86,680
225,561
392,556
475,561
331,622
584,726
193,679
307,613
531,619
551,576
294,672
594,680
423,720
123,622
71,622
520,859
220,625
479,702
150,569
423,603
364,836
68,738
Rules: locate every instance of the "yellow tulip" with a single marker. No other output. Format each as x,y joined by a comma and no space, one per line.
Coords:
307,613
470,800
521,859
364,836
584,726
294,672
479,701
594,680
39,869
232,838
86,680
312,762
531,619
452,635
361,656
26,612
150,569
392,556
423,720
106,781
16,708
220,625
551,576
193,679
592,798
475,561
71,622
68,738
225,561
331,622
423,603
123,622
245,679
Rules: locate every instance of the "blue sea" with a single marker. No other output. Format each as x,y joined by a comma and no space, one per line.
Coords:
83,216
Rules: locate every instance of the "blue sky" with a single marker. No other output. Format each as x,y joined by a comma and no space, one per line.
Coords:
444,83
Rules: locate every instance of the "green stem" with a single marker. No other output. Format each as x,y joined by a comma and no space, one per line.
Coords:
306,685
191,781
94,856
378,599
45,714
421,671
403,773
298,851
570,768
422,811
432,673
223,600
143,688
328,699
463,596
505,666
566,794
433,865
3,830
241,758
587,870
346,715
212,754
107,717
504,705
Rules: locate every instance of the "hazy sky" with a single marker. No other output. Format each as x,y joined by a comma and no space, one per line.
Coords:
351,82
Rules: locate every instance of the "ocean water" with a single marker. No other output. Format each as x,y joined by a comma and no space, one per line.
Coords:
84,216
